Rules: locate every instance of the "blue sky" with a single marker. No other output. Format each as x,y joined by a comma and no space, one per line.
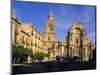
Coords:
64,16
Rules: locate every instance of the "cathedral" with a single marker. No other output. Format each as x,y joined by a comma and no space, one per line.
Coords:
76,43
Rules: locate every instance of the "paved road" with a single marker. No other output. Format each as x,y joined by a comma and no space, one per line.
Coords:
53,67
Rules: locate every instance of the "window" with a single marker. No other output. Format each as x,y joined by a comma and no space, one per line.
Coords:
39,38
48,38
32,33
17,32
36,35
77,41
23,42
44,44
84,37
50,25
51,29
31,42
27,42
35,45
71,36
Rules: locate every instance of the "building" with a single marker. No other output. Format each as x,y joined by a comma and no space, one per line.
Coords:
75,44
49,38
35,41
26,35
15,27
49,32
61,47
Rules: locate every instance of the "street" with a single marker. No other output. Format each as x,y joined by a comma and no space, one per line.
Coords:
53,67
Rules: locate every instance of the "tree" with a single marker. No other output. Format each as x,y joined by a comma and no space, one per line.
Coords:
20,53
40,55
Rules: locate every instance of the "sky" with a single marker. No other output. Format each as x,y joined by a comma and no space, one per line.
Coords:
64,16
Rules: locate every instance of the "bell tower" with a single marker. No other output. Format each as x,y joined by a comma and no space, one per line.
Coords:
49,32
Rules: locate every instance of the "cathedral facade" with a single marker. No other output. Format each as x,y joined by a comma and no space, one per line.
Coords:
76,43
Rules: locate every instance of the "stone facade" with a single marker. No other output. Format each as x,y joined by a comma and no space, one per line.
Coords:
35,40
27,35
77,42
15,27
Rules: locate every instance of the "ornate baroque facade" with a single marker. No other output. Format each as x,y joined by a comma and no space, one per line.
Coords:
77,43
